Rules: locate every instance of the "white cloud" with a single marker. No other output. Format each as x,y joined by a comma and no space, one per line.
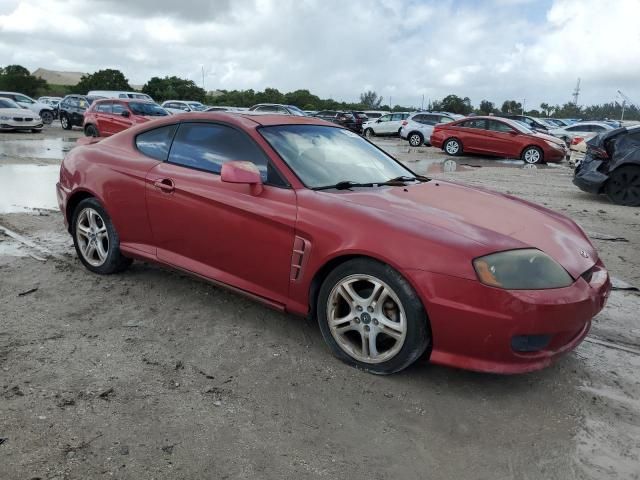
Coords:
489,49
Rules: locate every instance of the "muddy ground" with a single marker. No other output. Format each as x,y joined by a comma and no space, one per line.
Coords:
154,374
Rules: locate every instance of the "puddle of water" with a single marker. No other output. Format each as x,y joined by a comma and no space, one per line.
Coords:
49,148
12,249
27,187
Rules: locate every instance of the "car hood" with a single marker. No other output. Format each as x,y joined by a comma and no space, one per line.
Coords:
16,111
548,137
497,221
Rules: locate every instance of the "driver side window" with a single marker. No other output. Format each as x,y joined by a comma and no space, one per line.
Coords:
385,118
207,146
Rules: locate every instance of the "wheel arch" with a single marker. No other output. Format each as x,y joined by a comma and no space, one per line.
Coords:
537,147
74,200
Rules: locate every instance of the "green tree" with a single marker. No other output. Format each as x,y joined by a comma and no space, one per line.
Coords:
455,104
546,109
511,106
486,107
302,99
109,79
16,78
370,100
173,88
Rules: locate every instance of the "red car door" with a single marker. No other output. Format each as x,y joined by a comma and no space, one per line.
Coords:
504,140
120,119
473,135
221,230
101,113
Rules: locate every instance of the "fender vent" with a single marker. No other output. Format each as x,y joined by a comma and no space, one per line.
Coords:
299,257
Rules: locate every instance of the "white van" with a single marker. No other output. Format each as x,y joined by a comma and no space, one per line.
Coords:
119,94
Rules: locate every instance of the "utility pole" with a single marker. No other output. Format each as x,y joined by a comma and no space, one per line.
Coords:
625,100
524,101
576,93
422,105
203,78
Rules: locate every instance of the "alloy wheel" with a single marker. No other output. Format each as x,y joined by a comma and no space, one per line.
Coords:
415,140
92,237
64,121
366,318
47,117
623,186
452,147
532,155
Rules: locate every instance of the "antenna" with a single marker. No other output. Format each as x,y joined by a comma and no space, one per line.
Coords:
576,93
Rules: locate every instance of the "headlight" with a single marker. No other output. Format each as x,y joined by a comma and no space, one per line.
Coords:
526,269
553,144
5,118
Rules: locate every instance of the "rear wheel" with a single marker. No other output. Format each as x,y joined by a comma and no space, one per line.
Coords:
96,240
371,317
532,155
64,121
453,147
623,186
91,131
416,139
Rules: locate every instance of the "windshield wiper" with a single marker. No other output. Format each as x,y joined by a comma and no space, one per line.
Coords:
406,178
394,182
343,185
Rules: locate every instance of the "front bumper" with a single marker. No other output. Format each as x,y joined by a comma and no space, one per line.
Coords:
473,326
63,195
12,124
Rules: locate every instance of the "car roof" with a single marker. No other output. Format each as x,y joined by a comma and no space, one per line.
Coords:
124,100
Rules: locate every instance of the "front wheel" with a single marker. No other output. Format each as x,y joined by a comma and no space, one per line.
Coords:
96,240
371,317
453,147
47,117
64,121
369,133
623,186
532,155
416,139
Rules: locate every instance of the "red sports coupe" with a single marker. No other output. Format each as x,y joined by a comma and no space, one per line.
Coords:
498,137
110,116
312,219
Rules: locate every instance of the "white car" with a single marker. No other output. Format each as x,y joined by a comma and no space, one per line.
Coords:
119,94
44,111
418,127
579,130
14,117
388,124
374,114
53,101
181,106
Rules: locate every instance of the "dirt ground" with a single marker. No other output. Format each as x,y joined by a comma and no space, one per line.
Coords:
152,374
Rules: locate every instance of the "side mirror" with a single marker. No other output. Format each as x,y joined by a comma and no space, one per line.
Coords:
125,113
242,172
378,121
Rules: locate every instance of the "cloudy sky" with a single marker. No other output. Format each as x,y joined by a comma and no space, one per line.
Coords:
403,49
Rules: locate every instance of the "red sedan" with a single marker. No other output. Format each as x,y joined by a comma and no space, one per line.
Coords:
499,137
108,117
310,218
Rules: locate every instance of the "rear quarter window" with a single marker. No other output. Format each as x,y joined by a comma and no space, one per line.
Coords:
156,143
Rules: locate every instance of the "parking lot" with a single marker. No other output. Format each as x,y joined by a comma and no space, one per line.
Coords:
155,374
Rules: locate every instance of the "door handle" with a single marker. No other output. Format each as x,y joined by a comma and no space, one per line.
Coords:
165,184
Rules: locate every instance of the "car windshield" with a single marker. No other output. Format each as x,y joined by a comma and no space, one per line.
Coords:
322,156
147,109
8,103
520,126
197,106
296,111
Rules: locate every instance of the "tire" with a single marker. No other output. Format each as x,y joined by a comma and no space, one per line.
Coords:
363,339
369,133
65,122
623,186
36,130
532,155
91,131
96,240
415,139
453,147
47,117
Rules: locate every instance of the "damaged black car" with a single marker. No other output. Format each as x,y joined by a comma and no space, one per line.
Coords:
612,166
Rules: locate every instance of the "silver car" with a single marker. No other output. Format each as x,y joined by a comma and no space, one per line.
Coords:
417,129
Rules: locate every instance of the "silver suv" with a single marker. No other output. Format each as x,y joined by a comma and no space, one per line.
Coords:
417,129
